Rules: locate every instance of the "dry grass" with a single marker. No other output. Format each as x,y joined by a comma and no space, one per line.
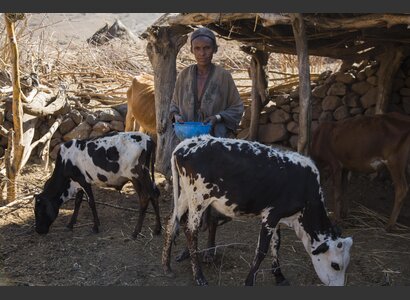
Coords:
104,72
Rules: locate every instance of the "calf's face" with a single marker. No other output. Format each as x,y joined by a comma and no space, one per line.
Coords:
331,259
45,213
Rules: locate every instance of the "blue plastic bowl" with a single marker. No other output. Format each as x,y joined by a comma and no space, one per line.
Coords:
187,130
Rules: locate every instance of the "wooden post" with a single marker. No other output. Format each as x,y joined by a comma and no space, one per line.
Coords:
260,90
16,146
390,62
163,46
305,115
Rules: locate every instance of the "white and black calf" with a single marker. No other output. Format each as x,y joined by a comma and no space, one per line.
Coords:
111,160
247,178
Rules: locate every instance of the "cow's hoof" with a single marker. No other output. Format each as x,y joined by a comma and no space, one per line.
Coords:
201,282
96,230
284,282
391,229
157,231
249,282
70,227
168,273
208,257
135,235
183,255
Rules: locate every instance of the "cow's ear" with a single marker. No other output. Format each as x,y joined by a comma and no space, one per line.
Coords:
337,231
36,197
322,248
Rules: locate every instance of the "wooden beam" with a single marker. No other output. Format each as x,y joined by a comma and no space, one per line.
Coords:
260,92
390,62
163,46
360,22
304,83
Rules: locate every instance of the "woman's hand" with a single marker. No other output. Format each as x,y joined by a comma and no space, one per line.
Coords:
213,120
178,119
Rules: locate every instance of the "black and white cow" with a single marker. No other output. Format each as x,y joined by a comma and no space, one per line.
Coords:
111,160
247,178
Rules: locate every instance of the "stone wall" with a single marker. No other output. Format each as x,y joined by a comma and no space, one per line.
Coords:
78,124
335,96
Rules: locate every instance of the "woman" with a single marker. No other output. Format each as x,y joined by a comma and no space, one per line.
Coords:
206,92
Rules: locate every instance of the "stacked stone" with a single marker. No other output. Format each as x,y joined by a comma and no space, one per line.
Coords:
76,125
335,97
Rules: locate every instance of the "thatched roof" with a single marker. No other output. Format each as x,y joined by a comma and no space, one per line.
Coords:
344,36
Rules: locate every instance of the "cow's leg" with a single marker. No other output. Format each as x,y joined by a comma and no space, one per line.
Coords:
129,120
211,217
344,205
192,239
398,174
91,203
154,202
78,200
166,250
276,271
265,236
143,209
337,192
144,200
209,254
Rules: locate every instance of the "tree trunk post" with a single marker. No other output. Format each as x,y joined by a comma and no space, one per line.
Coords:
260,92
17,108
305,115
163,46
390,62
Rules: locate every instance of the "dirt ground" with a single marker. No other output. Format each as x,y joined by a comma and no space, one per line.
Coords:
112,257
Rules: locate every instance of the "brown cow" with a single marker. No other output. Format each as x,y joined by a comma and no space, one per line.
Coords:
364,144
141,105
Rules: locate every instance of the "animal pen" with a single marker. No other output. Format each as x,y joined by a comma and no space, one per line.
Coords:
373,77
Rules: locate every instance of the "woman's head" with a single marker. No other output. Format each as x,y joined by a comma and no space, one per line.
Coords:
203,45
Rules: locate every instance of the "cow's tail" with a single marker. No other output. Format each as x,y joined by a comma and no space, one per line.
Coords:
173,222
176,191
152,167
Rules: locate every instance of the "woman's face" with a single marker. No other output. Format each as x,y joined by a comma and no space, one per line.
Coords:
203,50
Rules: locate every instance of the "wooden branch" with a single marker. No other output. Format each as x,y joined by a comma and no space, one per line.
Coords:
50,132
207,18
58,106
45,138
304,79
390,62
3,131
360,22
17,107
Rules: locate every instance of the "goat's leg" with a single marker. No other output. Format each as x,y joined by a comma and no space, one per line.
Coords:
78,200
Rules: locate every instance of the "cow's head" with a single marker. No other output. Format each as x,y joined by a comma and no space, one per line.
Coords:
331,259
45,211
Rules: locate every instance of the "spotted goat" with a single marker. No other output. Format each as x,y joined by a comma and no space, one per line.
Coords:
281,187
111,160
